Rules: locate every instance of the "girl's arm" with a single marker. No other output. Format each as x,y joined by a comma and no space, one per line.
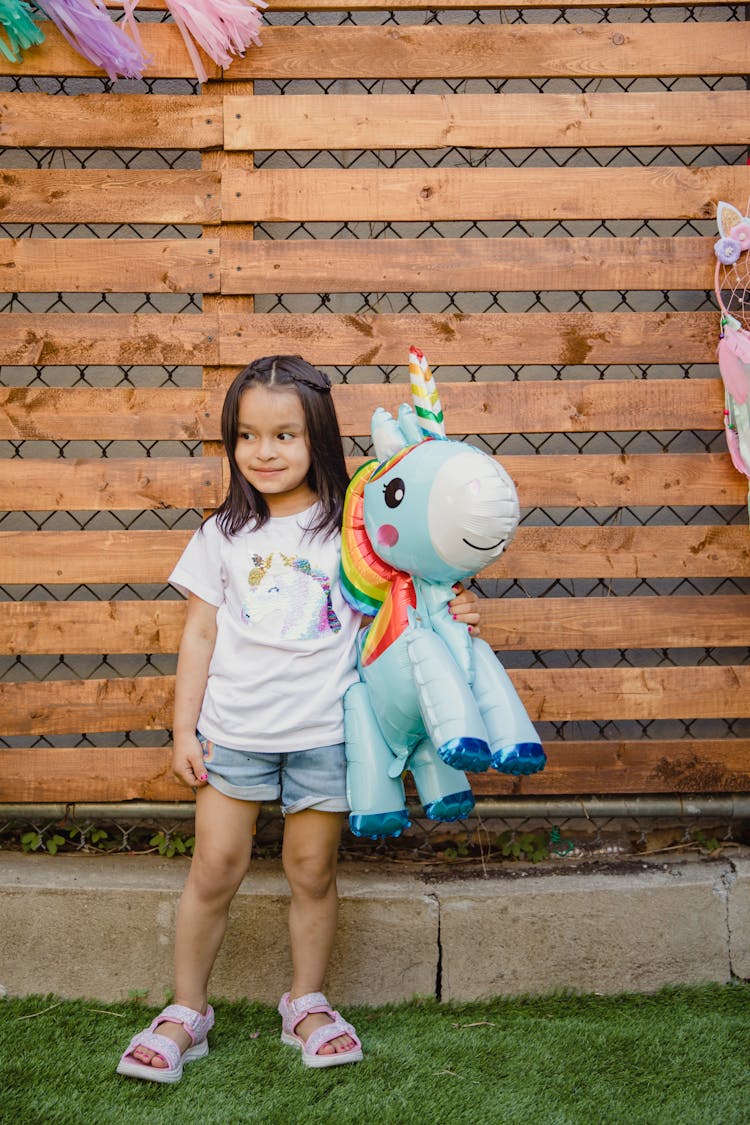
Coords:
196,650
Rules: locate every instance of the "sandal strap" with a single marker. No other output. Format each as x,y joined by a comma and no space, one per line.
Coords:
195,1023
323,1035
296,1010
160,1044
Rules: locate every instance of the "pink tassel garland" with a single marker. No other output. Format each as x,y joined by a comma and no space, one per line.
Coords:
223,28
733,364
89,29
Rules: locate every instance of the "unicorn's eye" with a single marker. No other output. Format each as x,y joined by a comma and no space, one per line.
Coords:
395,491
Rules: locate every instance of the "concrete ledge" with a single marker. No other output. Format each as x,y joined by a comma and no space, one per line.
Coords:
102,927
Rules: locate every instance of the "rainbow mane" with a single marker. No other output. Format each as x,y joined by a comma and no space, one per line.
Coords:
365,579
370,585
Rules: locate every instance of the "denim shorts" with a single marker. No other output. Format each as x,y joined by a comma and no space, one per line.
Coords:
304,779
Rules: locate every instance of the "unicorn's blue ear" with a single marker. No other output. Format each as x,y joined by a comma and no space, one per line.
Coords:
409,425
387,437
425,395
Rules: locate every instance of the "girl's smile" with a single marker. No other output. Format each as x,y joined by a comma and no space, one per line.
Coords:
273,450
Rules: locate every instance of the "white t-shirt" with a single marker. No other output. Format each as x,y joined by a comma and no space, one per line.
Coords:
285,648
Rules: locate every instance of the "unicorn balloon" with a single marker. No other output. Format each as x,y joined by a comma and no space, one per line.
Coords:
431,699
732,286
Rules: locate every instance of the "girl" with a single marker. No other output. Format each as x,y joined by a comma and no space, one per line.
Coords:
267,653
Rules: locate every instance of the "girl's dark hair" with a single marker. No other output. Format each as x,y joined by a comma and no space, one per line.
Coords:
327,476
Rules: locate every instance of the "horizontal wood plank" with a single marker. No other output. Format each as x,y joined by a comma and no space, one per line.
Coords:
565,406
453,194
89,556
109,338
90,773
510,624
584,50
675,766
125,484
552,624
547,481
162,43
119,626
472,339
419,5
408,121
603,480
69,706
625,552
111,265
361,121
439,265
363,339
358,340
550,695
70,557
87,195
111,121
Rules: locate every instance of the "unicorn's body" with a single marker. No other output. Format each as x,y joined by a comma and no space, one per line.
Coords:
431,699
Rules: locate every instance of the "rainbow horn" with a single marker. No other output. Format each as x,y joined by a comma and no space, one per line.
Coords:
425,395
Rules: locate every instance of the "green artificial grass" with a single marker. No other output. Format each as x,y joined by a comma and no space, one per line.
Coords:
679,1056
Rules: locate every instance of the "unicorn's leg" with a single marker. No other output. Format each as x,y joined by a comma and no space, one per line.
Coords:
376,800
450,713
514,742
443,790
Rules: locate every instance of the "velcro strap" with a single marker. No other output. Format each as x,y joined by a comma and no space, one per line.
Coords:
304,1005
323,1035
177,1013
167,1048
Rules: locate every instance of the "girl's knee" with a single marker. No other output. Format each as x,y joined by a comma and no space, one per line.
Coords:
214,872
312,875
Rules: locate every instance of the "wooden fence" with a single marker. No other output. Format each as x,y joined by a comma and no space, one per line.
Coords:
226,196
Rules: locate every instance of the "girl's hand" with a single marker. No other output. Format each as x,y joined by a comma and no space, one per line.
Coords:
465,608
187,761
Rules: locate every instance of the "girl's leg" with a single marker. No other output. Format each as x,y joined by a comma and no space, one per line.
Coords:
310,855
223,835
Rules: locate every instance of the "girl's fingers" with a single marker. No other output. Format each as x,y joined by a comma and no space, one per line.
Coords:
198,771
191,773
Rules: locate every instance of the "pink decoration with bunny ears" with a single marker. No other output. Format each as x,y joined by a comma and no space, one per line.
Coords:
732,286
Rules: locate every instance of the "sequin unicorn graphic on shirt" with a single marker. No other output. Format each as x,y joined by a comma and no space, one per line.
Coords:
289,590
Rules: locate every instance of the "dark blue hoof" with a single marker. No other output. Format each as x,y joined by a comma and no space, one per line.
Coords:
455,806
377,825
523,758
471,754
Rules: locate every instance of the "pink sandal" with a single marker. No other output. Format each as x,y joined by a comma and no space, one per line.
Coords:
197,1027
292,1013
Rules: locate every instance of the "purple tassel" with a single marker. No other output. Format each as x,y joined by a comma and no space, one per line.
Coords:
88,28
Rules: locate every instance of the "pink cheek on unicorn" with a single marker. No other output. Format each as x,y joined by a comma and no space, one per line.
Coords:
387,535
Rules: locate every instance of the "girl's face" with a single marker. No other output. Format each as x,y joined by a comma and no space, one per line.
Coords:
273,451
